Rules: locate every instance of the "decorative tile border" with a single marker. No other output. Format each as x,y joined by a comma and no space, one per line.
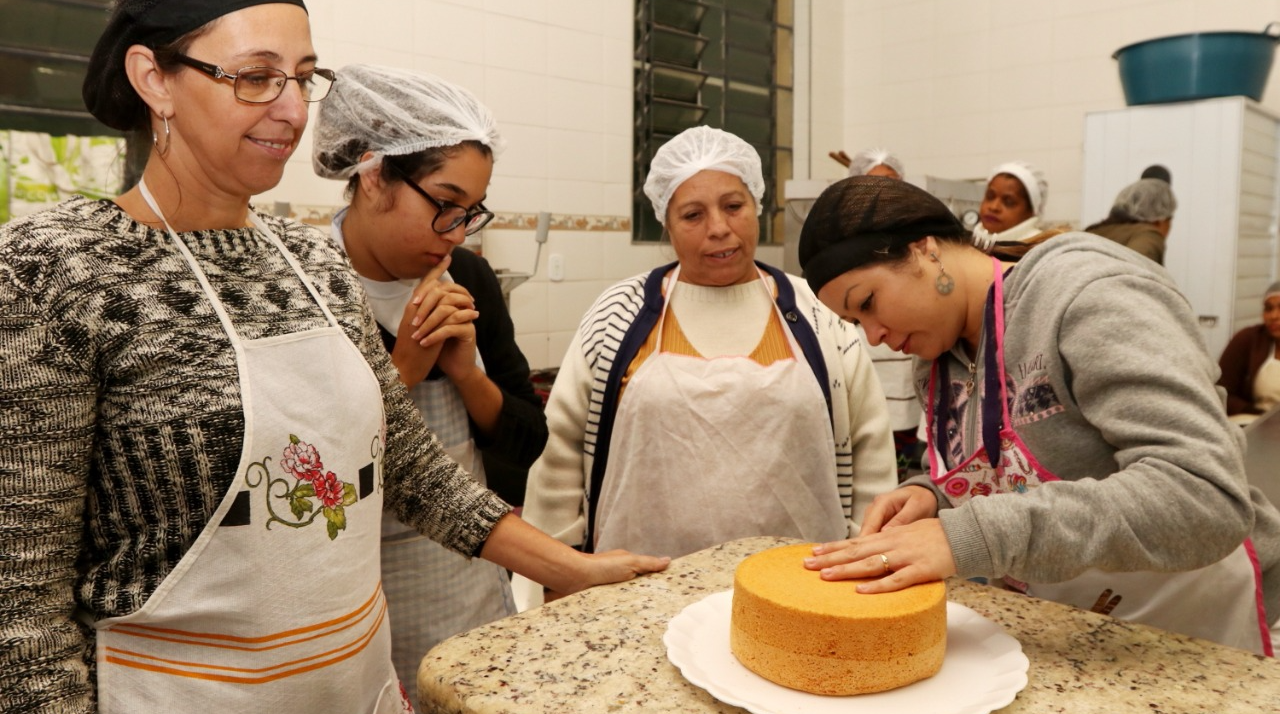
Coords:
323,215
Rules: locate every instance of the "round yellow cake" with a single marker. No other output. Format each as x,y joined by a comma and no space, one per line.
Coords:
792,627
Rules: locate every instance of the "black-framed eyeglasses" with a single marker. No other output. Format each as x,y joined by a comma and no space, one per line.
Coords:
260,85
450,215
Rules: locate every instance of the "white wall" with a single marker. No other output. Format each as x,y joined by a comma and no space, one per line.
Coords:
955,87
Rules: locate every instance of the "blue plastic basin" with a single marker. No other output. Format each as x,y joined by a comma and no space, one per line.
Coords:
1200,65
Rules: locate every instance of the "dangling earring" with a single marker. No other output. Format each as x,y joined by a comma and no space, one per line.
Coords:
155,140
944,283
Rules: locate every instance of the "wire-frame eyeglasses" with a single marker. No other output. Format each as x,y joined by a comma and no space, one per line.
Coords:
260,85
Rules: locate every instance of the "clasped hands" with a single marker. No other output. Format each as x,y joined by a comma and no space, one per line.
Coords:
437,328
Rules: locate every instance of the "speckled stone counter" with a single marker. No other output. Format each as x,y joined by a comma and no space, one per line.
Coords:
601,651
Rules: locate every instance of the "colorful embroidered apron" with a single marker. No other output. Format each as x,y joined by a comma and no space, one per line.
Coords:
712,450
1220,602
277,606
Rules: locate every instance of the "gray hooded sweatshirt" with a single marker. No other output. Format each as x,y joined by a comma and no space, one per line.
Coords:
1113,392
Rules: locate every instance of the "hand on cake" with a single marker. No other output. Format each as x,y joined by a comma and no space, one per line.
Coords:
897,557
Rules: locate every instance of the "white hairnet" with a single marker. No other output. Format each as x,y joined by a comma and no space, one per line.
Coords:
390,112
1148,199
1032,180
699,149
868,159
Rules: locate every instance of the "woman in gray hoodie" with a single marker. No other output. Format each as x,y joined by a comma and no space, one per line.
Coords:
1078,448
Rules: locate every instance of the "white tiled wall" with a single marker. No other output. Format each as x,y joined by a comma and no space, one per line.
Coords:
955,87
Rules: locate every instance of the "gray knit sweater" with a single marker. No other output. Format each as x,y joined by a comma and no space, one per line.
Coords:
121,421
1114,393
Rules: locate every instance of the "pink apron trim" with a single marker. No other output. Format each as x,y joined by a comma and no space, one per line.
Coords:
1264,625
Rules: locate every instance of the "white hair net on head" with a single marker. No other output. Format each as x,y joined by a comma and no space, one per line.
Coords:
390,112
701,148
868,159
1032,180
1148,199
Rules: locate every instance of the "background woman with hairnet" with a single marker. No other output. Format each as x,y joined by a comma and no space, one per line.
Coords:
1078,447
1140,218
713,398
201,427
1012,205
417,153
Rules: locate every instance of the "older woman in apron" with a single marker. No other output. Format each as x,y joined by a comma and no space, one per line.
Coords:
201,425
713,398
1078,449
418,153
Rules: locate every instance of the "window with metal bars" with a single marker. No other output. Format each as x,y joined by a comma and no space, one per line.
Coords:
44,54
720,63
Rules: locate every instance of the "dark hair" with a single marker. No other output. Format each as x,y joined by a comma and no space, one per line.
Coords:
412,167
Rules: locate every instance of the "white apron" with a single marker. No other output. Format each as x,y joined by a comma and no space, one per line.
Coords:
712,450
277,607
1220,602
1266,384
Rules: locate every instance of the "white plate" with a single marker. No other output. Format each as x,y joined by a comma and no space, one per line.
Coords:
983,670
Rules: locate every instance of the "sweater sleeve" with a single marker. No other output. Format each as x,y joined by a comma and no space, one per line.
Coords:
425,488
554,500
1176,499
47,410
875,464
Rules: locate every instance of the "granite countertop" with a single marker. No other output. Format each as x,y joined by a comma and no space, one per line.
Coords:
601,650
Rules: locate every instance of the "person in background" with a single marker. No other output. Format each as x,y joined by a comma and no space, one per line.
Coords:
876,162
1012,205
201,425
712,398
893,368
1079,449
417,153
1250,364
1140,218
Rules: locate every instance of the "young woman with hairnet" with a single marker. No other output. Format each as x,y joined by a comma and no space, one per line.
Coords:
1140,218
1078,448
417,153
712,398
1012,205
201,427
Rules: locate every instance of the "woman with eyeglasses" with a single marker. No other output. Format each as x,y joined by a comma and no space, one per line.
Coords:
417,153
199,425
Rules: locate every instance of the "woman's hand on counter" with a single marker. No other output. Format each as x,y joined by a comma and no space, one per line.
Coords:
896,557
519,547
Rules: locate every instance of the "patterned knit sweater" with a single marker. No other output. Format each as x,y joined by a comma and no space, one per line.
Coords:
121,421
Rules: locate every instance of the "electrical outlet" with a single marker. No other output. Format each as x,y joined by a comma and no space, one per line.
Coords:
555,267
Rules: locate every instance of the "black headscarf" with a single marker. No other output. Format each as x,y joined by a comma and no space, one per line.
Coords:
861,216
107,92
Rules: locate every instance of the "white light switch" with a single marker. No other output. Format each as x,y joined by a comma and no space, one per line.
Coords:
555,267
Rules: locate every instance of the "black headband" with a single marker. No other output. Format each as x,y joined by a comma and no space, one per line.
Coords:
107,93
864,220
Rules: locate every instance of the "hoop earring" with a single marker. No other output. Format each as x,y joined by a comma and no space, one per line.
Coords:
155,140
944,283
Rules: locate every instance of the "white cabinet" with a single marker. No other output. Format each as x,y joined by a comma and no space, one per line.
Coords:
1223,155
